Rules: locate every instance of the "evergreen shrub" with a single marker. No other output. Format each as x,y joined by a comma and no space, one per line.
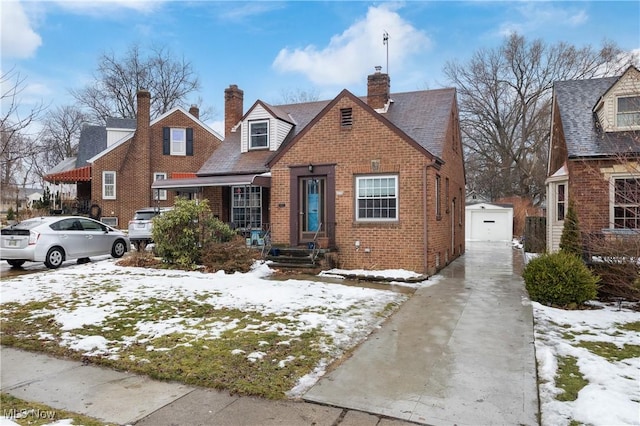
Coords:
560,279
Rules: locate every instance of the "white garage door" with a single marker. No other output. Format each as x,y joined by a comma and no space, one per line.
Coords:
491,225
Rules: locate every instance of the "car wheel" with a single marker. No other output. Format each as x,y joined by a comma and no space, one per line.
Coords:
119,248
15,263
55,257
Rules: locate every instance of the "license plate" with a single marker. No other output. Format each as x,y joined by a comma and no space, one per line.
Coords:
12,243
141,226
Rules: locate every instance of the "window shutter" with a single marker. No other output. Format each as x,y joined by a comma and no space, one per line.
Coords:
166,141
189,141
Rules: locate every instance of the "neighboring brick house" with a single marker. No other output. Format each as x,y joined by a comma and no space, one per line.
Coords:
71,178
593,156
118,178
381,176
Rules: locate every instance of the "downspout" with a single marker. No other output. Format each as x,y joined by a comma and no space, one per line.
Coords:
425,210
425,248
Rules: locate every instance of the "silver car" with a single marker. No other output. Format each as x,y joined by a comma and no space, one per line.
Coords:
54,239
141,226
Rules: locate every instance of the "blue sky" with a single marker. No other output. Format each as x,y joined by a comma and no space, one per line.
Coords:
267,48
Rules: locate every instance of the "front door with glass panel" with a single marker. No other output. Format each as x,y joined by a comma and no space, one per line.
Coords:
312,207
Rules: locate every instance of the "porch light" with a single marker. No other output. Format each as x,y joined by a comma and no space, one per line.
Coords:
310,168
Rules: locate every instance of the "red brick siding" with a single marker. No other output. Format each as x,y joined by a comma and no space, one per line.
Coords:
135,165
589,190
392,245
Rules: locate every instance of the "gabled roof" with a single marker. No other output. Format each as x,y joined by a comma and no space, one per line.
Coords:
113,146
228,158
575,100
93,139
120,123
628,70
422,117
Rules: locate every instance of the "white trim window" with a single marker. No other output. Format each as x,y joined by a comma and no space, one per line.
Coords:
625,203
377,198
628,111
561,201
246,206
159,194
259,134
109,185
178,141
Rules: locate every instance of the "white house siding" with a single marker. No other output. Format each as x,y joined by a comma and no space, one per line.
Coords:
258,113
627,85
114,135
554,226
281,130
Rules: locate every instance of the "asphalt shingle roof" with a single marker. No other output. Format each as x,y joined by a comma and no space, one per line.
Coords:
422,115
583,136
93,140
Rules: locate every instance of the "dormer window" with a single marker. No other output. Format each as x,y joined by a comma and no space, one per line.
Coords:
259,134
628,112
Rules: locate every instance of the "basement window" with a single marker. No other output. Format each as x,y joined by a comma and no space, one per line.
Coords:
346,117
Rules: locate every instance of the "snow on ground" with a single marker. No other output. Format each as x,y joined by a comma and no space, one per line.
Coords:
612,396
90,294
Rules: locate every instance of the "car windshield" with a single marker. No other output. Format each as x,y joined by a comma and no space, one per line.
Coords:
144,215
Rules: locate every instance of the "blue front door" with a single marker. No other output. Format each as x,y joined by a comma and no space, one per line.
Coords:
312,207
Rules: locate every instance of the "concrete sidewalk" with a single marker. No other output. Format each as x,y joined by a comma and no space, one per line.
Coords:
459,352
124,399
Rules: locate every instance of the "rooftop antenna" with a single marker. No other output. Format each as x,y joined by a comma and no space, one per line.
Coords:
385,41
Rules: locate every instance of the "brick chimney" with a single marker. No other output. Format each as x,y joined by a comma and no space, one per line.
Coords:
233,99
141,152
143,117
195,111
378,89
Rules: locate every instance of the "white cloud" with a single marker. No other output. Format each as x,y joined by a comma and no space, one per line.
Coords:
100,7
534,16
239,11
19,40
356,51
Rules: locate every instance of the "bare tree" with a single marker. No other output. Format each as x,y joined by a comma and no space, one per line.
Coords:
504,97
59,137
299,96
118,78
16,144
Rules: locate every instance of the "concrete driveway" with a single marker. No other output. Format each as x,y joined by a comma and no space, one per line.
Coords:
459,352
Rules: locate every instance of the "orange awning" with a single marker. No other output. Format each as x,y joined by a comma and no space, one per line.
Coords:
183,175
82,174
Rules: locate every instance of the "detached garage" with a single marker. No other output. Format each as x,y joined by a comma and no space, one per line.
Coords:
488,222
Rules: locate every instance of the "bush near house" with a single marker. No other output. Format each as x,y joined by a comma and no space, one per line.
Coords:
181,234
615,258
570,241
560,279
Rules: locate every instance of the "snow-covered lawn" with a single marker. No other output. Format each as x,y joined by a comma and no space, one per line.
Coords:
83,302
105,311
612,392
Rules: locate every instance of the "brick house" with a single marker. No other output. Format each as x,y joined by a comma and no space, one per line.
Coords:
119,177
593,156
382,177
70,180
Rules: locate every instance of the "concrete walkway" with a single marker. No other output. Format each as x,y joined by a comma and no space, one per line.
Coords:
459,352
